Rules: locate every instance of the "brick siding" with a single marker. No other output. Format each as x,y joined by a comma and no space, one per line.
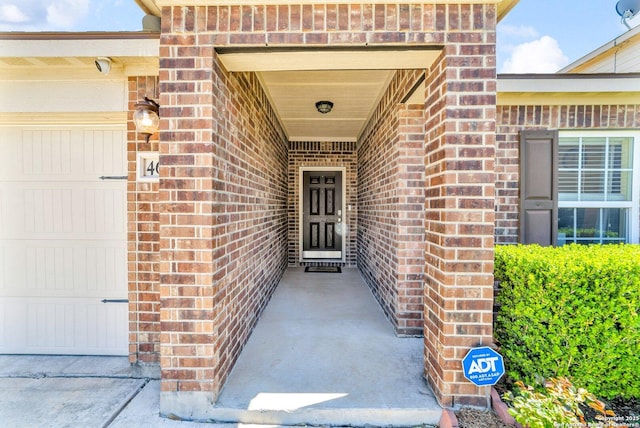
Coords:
513,119
223,234
459,212
323,154
391,205
143,213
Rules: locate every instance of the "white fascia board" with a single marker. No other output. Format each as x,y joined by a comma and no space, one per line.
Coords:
568,83
56,47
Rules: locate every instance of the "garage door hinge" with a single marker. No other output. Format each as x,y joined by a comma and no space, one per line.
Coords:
115,300
113,177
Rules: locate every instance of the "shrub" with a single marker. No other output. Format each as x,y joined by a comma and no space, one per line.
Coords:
558,405
571,311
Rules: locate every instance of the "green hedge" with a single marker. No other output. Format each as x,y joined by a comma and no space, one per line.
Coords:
571,311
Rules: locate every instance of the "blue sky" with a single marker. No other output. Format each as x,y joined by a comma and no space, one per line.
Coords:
546,35
537,36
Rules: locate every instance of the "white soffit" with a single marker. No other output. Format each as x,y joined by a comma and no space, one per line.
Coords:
329,59
355,93
353,79
48,56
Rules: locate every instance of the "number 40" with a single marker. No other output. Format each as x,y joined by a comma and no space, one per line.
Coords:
153,168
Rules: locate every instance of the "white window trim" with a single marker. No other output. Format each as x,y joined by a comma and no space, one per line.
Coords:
634,204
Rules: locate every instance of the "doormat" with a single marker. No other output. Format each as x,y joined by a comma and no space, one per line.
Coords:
323,269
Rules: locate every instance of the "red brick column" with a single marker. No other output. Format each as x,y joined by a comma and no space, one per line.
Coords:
190,110
460,150
223,221
143,243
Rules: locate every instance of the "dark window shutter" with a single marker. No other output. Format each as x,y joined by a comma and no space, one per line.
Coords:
538,187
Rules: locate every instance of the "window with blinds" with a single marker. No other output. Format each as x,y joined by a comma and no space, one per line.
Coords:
595,169
595,184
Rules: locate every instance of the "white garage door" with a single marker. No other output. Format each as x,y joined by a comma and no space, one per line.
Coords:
63,240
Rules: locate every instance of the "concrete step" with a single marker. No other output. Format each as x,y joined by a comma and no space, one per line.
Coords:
334,417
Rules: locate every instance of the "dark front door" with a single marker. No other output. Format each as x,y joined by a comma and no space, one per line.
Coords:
322,215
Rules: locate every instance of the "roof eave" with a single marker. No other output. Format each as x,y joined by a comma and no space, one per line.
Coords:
504,7
568,83
623,38
149,7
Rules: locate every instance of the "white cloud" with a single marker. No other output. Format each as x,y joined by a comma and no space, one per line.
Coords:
520,31
11,14
65,14
539,56
42,15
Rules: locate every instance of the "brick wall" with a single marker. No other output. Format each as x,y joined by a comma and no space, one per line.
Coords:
322,154
459,210
326,24
223,233
143,215
390,205
513,119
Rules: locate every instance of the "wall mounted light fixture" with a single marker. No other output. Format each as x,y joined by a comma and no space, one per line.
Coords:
146,117
324,107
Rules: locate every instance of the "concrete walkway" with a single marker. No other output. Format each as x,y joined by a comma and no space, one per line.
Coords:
65,391
322,354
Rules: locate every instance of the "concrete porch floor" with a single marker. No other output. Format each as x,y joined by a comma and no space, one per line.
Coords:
323,353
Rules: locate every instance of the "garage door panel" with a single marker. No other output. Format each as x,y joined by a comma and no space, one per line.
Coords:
4,316
62,326
56,209
46,152
73,153
64,268
103,152
63,240
3,271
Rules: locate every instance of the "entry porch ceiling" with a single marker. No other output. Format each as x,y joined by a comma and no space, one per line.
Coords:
354,80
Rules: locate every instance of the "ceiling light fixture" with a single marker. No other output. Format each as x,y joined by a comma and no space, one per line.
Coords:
324,107
146,117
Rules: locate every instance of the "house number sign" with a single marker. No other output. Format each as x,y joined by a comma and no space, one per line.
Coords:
148,166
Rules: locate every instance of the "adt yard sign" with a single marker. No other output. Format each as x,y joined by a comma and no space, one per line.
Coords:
483,366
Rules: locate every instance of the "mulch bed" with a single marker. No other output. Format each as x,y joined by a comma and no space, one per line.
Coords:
474,418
